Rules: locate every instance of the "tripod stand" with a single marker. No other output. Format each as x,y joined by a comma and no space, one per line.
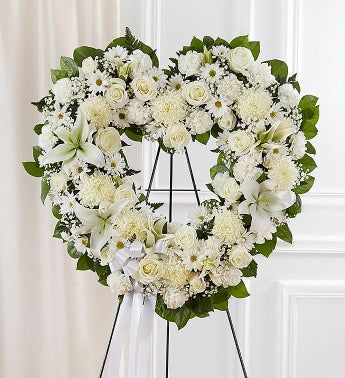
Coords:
171,190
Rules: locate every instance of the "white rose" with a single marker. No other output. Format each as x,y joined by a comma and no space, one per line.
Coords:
240,257
149,269
240,141
190,63
144,87
228,121
108,140
226,187
298,147
106,256
119,283
62,90
288,95
175,298
125,193
58,182
240,59
197,284
199,122
196,93
172,227
185,237
176,136
88,65
116,94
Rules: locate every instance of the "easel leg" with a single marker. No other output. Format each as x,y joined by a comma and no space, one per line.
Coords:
109,342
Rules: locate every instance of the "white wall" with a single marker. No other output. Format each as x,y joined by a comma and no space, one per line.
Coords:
293,323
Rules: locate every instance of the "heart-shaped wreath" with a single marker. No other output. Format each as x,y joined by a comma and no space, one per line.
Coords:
213,88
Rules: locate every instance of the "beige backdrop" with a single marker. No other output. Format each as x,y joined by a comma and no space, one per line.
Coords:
53,322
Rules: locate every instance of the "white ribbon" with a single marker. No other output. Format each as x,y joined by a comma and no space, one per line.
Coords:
126,258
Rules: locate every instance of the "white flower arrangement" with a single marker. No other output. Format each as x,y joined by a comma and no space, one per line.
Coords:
214,88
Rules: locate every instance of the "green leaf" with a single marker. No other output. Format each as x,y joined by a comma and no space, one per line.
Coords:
266,248
201,304
40,104
210,187
279,69
305,186
308,163
85,263
203,138
308,101
218,168
33,169
72,251
152,53
57,230
251,270
133,135
84,52
163,311
208,41
57,75
254,47
222,295
36,152
296,208
69,65
309,129
56,211
284,233
38,128
223,306
197,44
310,148
45,188
220,41
239,291
183,314
242,40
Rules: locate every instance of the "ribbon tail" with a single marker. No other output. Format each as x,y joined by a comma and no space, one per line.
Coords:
119,338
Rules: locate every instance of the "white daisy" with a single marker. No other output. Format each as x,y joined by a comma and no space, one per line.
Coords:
212,73
176,82
81,244
198,215
276,113
120,118
192,259
67,204
115,164
217,106
117,243
60,116
78,169
98,82
222,52
116,52
155,130
158,76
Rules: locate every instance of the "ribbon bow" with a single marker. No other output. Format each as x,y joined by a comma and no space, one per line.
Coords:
127,258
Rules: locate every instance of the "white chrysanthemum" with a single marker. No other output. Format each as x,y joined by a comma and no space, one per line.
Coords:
247,167
98,81
119,283
95,189
218,106
228,227
116,52
190,63
254,104
131,223
174,273
283,173
221,52
198,215
199,122
288,95
63,91
298,147
212,73
137,113
120,118
175,298
140,62
260,73
47,139
114,164
176,82
230,87
97,111
169,108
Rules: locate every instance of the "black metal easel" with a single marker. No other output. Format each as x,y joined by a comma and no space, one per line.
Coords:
171,190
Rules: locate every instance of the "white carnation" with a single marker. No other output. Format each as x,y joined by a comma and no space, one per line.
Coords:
58,182
226,276
63,91
288,95
247,167
47,139
175,298
260,73
140,62
88,65
137,113
119,283
228,227
190,63
199,122
298,145
230,87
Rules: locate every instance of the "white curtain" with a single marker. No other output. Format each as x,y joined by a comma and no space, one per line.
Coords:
54,321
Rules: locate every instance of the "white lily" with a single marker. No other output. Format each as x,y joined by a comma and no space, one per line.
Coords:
262,203
75,145
99,222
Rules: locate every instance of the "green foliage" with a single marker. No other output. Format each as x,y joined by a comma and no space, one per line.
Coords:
69,65
279,69
57,230
197,45
208,41
310,115
40,104
72,251
305,185
251,270
296,208
284,233
83,52
308,163
56,211
85,263
310,148
33,169
243,41
133,135
218,168
38,128
57,74
266,248
36,152
293,81
45,188
203,138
